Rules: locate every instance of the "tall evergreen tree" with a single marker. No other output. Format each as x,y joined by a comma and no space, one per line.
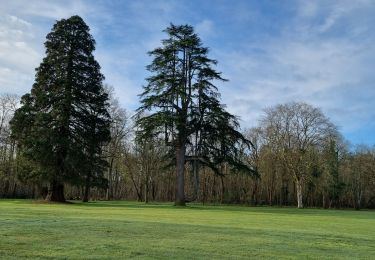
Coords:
64,121
185,107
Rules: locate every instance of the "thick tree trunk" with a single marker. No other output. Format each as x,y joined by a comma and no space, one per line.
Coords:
55,192
180,180
299,193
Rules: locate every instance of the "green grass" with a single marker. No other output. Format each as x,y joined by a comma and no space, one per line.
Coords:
117,230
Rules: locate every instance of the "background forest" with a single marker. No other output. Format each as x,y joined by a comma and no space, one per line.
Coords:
337,176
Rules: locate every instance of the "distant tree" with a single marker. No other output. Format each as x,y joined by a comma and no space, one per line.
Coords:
63,123
359,170
8,104
185,107
295,130
150,159
120,129
256,136
333,185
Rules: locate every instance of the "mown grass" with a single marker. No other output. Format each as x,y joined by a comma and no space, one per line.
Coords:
118,230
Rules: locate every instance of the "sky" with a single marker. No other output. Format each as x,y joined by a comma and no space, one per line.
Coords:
272,52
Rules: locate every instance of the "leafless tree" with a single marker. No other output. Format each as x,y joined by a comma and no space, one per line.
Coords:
295,130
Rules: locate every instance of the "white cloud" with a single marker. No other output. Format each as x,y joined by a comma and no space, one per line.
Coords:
18,57
17,20
47,9
22,33
331,72
205,27
308,8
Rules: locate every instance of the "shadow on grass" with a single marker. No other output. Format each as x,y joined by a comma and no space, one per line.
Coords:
343,213
123,204
52,202
228,208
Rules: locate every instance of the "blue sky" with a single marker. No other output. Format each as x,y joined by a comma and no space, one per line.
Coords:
272,52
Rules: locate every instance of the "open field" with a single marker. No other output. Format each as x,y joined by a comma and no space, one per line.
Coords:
104,230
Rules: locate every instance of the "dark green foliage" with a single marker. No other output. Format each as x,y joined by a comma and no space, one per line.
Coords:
185,106
63,123
334,185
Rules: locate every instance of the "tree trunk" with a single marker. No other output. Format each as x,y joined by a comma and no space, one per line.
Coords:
86,193
285,193
324,201
139,193
180,167
146,190
212,188
358,199
196,180
109,194
222,189
204,191
153,190
254,200
6,189
270,195
14,190
299,193
116,179
55,192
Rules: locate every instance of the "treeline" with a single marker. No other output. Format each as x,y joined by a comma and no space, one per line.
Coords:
70,139
335,176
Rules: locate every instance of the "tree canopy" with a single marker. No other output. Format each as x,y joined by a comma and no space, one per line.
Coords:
63,122
184,106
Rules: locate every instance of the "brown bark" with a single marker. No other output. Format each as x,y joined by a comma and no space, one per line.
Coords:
14,190
254,200
137,190
195,180
86,193
180,185
284,193
222,189
299,193
146,190
109,192
55,192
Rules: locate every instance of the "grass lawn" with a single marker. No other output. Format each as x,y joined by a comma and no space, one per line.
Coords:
115,230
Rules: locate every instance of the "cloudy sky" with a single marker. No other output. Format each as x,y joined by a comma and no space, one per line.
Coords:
272,52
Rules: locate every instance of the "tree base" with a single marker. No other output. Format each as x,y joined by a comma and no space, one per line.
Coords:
180,203
55,192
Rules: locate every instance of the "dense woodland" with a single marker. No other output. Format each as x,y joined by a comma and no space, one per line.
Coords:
69,138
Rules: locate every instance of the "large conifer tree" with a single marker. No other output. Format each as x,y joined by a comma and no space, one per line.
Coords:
185,106
63,123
